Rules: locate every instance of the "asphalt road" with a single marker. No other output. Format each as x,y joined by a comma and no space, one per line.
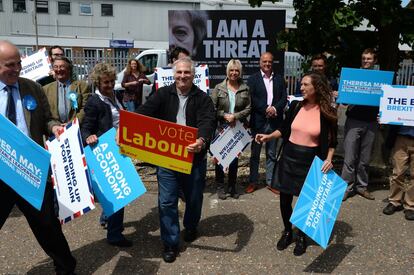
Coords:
236,237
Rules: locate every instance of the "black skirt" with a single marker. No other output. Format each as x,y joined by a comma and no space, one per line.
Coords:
293,166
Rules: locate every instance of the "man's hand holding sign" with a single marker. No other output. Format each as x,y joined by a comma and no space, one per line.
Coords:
159,142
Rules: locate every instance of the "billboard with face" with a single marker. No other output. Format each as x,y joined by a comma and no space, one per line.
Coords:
214,37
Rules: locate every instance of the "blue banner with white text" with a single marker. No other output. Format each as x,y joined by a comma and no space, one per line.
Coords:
115,181
24,165
319,203
362,87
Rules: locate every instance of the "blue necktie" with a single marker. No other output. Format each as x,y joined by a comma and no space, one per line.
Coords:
11,107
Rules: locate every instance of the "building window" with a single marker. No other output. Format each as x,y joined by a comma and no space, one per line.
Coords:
19,5
85,9
29,51
68,52
42,6
107,10
1,5
63,7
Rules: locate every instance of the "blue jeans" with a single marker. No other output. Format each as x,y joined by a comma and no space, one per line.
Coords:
115,226
168,185
271,154
130,105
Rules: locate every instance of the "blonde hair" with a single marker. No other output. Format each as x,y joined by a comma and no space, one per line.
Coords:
101,69
234,63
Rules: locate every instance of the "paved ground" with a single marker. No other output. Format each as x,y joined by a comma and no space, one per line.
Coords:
237,237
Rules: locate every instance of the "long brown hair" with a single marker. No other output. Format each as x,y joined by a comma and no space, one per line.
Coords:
140,67
323,95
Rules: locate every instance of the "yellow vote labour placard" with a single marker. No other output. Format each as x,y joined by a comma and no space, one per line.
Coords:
156,141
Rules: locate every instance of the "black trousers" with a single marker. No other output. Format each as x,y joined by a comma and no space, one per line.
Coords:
232,176
44,224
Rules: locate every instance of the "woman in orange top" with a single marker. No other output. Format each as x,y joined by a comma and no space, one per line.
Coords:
309,130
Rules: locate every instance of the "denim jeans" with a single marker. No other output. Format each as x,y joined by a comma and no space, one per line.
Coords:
115,226
271,154
130,105
168,185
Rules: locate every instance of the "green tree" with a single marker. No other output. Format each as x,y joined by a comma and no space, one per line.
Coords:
328,26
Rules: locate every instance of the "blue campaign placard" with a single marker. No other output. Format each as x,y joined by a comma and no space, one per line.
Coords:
362,87
24,165
319,203
115,181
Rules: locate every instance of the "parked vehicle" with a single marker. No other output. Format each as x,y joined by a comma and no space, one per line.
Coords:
150,59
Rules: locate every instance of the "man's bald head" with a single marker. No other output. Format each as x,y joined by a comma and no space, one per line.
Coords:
10,63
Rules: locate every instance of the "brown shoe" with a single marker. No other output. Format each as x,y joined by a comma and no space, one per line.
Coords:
349,194
251,188
275,191
366,194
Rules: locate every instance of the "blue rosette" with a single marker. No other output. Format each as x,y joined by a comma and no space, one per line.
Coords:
29,102
73,98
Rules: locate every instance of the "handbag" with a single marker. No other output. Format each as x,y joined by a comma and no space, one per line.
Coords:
274,183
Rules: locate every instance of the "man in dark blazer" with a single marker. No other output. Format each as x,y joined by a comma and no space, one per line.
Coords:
268,100
34,120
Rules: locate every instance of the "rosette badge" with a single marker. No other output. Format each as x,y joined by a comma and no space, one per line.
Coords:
29,102
73,97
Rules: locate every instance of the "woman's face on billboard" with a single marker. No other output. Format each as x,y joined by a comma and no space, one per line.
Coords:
181,32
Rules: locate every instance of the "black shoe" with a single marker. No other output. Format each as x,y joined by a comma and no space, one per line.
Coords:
391,209
169,254
104,225
121,243
409,214
190,235
300,247
221,195
285,240
235,195
349,194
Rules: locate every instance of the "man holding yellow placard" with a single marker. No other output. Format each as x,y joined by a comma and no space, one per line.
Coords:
185,104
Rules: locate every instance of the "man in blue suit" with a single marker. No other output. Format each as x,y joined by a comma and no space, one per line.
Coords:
268,99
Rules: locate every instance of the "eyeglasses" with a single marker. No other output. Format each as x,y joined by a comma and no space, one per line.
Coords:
59,67
57,54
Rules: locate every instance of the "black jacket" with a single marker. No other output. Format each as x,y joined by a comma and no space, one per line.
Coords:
258,96
200,111
327,137
98,117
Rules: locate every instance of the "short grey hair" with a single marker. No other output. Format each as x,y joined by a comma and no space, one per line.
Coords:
184,60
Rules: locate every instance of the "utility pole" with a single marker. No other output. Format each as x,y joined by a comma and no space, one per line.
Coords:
35,23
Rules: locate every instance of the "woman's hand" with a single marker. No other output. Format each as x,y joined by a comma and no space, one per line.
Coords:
260,138
92,139
326,166
230,118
